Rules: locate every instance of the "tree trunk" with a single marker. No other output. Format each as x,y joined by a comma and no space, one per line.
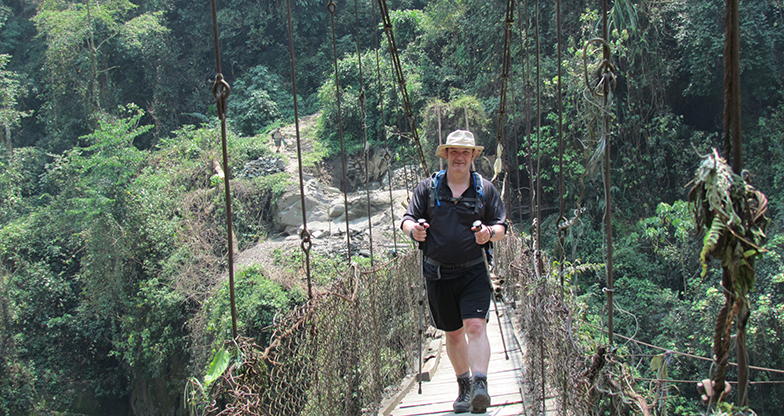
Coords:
8,138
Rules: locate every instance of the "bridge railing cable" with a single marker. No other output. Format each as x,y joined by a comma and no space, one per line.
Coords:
305,234
401,81
332,8
221,91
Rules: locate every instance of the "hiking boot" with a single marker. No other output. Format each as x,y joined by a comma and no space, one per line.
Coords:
480,400
463,402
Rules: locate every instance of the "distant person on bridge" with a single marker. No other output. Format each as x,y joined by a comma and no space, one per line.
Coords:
458,285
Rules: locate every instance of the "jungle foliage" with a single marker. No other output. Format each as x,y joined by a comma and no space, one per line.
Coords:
112,234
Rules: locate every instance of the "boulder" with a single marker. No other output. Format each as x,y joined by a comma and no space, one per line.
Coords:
290,211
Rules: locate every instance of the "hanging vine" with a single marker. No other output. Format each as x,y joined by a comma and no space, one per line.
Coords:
732,214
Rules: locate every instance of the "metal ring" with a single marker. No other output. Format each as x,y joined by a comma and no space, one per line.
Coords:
306,242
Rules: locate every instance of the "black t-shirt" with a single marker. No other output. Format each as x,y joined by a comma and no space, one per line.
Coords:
449,238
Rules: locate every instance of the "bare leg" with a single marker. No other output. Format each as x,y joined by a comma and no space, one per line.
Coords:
478,344
468,348
457,350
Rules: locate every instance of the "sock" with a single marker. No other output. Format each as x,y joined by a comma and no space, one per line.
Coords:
467,374
479,375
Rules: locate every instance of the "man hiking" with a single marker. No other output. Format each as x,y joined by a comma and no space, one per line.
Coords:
458,285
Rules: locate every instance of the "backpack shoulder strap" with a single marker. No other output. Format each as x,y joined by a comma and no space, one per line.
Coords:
480,191
435,179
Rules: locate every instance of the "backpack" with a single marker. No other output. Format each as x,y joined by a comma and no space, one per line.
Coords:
477,203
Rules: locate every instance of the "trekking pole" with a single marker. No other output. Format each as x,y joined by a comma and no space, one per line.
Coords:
475,228
421,222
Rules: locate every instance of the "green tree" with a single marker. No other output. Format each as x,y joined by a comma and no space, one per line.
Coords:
257,100
82,44
11,90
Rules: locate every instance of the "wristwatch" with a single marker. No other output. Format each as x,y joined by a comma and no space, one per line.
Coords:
492,232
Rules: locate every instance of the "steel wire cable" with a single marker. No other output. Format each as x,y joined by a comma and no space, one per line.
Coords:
505,65
387,21
332,7
559,241
608,214
363,122
221,91
387,154
305,236
560,251
538,236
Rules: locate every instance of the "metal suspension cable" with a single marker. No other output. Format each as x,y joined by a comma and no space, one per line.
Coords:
538,251
387,155
402,147
733,140
508,22
382,4
559,241
304,236
499,138
561,255
363,118
331,7
772,370
538,146
221,91
516,132
374,299
607,94
527,113
516,151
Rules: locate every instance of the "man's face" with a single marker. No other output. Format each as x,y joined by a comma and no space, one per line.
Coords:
459,158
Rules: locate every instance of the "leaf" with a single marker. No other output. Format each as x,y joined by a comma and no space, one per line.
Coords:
497,168
710,241
656,362
217,367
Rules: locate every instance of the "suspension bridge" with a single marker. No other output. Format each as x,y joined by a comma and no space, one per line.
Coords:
345,351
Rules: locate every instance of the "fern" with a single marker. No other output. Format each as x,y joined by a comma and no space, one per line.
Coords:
710,242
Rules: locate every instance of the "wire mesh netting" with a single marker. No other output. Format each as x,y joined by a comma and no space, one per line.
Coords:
554,362
341,353
348,348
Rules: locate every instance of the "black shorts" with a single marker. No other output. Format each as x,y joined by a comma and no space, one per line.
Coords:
453,300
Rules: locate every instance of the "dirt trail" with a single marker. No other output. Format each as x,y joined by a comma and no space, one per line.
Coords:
306,124
262,253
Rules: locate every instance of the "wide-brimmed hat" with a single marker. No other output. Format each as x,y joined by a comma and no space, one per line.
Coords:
459,138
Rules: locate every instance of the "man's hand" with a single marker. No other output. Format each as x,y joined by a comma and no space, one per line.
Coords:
418,231
482,233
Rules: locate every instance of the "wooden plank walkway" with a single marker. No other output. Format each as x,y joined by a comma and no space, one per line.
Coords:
504,378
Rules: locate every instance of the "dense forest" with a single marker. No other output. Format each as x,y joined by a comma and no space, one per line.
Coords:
112,233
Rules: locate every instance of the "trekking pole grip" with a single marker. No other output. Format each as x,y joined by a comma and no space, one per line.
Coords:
421,222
